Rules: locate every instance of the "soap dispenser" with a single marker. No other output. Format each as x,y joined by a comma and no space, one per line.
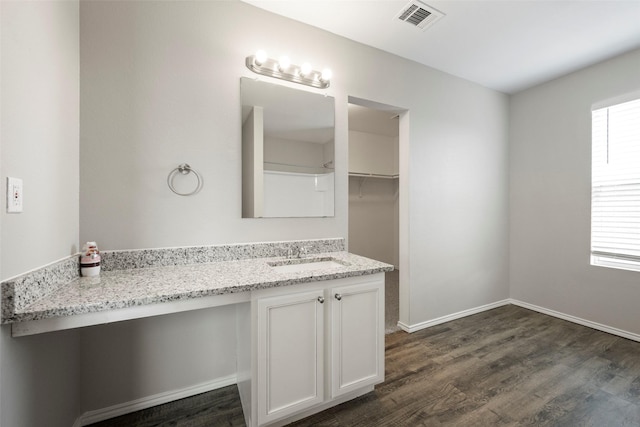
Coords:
90,260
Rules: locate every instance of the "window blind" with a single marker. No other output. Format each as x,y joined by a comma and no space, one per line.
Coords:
615,185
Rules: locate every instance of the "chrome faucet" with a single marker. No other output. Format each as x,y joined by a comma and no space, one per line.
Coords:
297,252
302,251
291,251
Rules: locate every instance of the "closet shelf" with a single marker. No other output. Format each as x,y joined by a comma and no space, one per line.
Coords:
374,175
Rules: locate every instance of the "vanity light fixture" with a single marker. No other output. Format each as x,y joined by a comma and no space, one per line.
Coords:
283,64
261,57
305,69
283,69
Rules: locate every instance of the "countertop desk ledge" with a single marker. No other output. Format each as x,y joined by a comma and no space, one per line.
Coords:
142,292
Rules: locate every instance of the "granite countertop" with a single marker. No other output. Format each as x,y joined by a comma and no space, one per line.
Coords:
143,286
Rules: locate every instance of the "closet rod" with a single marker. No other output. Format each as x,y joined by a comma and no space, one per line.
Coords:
374,175
298,166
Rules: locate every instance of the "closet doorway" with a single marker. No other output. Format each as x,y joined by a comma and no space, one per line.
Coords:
374,187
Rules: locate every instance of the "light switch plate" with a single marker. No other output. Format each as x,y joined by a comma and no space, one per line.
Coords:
14,195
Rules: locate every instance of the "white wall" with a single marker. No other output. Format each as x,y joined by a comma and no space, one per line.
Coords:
298,194
458,178
40,107
293,153
551,197
373,153
373,218
373,202
40,379
160,86
252,164
39,137
125,361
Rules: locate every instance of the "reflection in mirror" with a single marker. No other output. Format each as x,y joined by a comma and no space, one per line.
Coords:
287,152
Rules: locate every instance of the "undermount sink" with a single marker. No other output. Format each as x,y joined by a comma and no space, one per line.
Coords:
305,264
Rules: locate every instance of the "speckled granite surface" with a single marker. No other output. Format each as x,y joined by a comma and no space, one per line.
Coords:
22,291
124,260
121,288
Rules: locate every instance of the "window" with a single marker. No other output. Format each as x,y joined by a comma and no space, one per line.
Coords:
615,186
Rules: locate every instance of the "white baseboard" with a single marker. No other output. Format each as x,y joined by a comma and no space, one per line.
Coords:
578,320
450,317
559,315
94,416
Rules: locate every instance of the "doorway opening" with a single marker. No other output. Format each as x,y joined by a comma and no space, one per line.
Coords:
377,196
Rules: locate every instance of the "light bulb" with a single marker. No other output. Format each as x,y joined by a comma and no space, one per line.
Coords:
305,69
326,75
284,63
260,57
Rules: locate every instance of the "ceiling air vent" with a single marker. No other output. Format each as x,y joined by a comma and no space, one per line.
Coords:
419,15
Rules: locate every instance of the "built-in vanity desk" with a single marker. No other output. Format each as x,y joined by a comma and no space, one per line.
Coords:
310,316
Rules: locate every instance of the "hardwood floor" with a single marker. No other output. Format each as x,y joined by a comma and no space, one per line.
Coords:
508,366
216,408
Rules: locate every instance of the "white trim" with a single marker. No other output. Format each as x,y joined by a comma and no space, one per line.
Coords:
454,316
578,320
588,323
32,327
620,99
611,262
97,415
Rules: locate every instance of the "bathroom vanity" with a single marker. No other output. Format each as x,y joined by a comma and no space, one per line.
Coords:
306,348
310,322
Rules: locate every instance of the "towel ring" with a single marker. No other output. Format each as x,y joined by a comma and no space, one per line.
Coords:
184,169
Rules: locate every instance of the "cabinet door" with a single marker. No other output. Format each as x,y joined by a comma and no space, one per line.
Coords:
357,336
290,354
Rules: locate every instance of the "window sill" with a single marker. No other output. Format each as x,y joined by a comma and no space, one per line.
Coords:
620,264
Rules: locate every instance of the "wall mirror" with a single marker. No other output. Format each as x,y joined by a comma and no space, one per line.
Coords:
287,151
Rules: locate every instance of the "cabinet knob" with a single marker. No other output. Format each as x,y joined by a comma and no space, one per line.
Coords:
338,297
321,300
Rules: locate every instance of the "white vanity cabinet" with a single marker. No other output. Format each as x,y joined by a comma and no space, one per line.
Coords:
357,336
313,346
290,354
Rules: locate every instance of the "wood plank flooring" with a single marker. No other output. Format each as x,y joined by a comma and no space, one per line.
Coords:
504,367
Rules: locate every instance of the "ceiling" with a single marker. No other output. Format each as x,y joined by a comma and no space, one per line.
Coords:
290,114
369,120
506,45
